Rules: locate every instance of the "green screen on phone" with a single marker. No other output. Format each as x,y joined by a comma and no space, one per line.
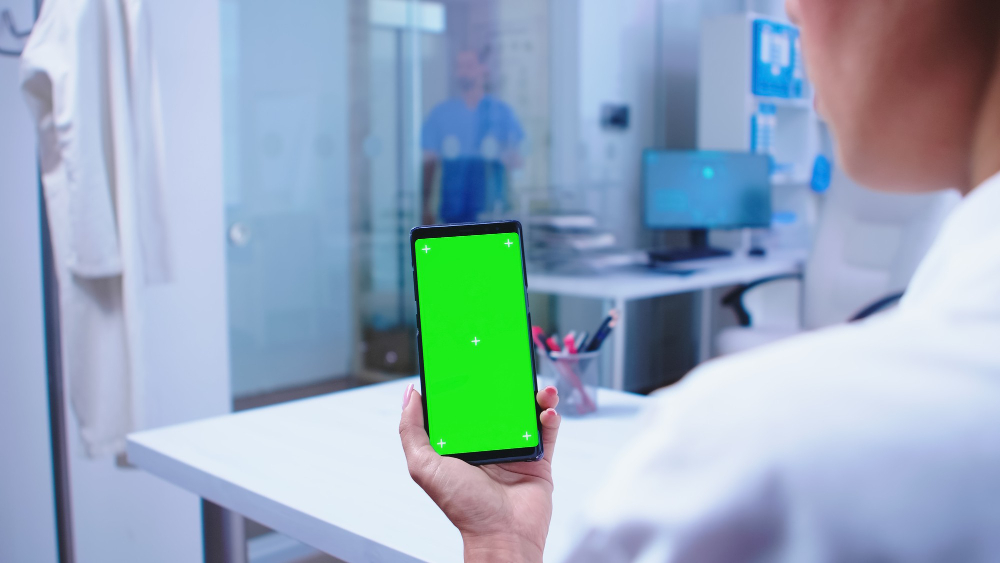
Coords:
478,376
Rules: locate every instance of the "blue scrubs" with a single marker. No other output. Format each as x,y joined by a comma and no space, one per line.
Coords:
471,181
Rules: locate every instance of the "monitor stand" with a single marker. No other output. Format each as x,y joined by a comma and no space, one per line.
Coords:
699,250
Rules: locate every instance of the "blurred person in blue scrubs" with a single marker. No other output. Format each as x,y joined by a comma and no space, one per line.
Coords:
869,441
470,141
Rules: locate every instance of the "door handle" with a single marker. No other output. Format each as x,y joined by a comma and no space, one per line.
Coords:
239,234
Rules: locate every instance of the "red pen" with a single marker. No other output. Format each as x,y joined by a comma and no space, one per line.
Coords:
538,335
553,343
570,342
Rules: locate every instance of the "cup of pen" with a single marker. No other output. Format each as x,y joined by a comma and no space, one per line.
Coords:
576,377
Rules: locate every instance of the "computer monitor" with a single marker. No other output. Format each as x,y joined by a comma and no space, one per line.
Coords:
703,190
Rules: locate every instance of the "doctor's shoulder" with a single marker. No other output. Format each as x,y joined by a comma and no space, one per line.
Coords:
846,384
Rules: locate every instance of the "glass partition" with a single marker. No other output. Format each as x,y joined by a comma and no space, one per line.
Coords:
287,135
346,123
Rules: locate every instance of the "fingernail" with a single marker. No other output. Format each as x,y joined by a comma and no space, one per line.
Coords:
550,390
406,395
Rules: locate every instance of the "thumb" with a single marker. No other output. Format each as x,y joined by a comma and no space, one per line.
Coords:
420,456
411,424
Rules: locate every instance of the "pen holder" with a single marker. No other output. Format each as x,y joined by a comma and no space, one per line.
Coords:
576,377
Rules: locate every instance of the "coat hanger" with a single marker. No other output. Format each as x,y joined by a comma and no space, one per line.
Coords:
7,22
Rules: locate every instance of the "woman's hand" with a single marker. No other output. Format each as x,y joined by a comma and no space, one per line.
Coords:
502,510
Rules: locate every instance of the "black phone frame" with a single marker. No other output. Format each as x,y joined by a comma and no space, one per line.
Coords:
470,229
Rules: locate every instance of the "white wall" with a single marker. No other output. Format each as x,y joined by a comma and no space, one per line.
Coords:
617,64
680,22
603,51
125,515
642,53
564,75
27,515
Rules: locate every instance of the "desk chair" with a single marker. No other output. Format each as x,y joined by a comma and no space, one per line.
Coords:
866,249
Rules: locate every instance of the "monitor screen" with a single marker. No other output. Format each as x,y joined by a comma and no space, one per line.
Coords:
706,190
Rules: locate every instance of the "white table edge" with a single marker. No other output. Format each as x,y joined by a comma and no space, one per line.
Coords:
738,273
145,451
308,529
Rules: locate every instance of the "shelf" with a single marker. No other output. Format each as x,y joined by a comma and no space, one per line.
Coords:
796,103
791,182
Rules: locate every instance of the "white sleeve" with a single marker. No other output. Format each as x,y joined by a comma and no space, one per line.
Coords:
63,79
100,133
689,488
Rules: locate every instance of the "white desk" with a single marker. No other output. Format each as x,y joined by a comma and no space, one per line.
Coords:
619,287
330,472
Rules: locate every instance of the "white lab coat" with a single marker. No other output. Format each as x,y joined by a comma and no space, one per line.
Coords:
90,79
877,441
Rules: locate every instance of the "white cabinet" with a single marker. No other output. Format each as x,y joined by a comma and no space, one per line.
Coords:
754,95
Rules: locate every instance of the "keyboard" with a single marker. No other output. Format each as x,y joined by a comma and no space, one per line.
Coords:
686,254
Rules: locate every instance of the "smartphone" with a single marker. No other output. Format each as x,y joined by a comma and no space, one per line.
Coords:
474,342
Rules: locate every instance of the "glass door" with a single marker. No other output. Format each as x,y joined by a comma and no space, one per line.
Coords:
287,172
404,40
321,171
346,123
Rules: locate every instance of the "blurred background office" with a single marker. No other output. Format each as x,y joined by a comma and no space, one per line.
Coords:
303,139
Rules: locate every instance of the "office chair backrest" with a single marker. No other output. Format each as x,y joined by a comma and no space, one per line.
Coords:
868,244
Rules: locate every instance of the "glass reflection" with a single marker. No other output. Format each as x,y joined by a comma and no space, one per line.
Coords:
469,141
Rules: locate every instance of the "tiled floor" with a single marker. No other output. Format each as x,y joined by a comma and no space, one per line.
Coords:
322,558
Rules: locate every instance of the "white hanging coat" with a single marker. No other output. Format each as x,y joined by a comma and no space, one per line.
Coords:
90,79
